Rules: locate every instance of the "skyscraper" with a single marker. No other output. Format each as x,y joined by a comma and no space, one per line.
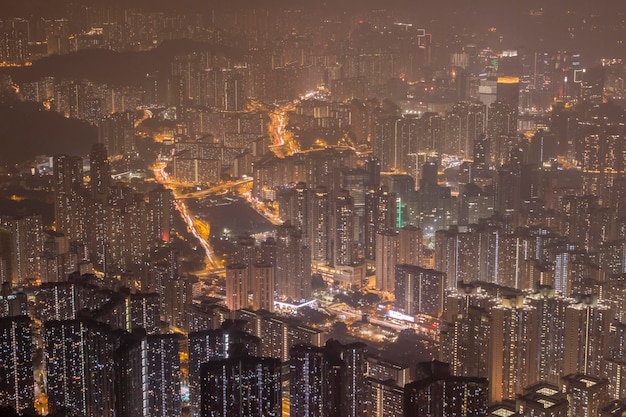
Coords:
293,264
236,286
435,392
16,363
241,386
384,399
99,172
26,247
67,182
380,215
79,367
214,345
511,347
343,230
587,324
419,290
543,400
410,246
328,381
314,382
116,132
386,260
148,376
263,286
586,394
319,225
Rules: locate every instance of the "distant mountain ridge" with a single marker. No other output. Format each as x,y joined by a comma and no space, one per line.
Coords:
118,68
27,130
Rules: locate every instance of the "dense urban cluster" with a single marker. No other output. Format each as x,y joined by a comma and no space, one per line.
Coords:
301,211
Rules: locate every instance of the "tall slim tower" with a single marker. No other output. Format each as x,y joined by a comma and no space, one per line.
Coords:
380,215
236,286
411,247
99,172
16,363
511,348
587,325
319,227
343,230
263,286
386,260
148,376
293,264
67,182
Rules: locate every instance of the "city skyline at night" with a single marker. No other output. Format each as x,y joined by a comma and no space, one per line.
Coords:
312,209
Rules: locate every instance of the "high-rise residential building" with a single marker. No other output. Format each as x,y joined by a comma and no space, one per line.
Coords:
237,286
241,385
314,382
148,376
99,172
383,370
410,246
435,392
278,334
144,309
206,315
26,247
543,400
117,132
214,345
387,142
319,225
587,330
17,385
263,286
418,290
178,295
246,254
161,214
293,264
13,47
79,367
386,260
462,256
501,123
384,398
615,408
380,215
463,343
512,346
234,93
67,182
464,123
57,262
586,394
343,231
328,381
550,332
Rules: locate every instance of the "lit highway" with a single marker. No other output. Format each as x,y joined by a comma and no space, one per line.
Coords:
199,228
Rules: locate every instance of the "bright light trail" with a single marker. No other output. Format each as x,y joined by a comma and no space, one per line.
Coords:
193,225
